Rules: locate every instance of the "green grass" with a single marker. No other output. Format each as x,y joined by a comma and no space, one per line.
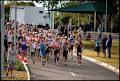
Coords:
19,66
89,44
114,61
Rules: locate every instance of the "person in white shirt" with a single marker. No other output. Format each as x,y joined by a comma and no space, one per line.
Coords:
11,59
10,38
33,48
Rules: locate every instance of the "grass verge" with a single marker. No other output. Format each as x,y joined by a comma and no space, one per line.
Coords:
89,51
19,72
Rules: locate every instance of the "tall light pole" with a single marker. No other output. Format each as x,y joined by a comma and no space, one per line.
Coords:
53,20
106,17
78,20
94,21
2,37
89,18
15,23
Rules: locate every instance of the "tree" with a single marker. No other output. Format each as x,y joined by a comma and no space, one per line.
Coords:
53,4
50,4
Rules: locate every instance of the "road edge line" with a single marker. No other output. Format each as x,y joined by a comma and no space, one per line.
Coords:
102,64
73,74
26,68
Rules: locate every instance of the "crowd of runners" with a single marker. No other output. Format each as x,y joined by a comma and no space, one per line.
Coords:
40,44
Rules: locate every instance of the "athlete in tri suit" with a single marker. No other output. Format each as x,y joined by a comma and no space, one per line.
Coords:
56,50
71,44
79,50
65,50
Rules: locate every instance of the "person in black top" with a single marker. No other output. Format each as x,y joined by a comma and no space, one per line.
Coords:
6,43
62,29
6,46
79,50
20,36
65,31
109,45
104,45
85,30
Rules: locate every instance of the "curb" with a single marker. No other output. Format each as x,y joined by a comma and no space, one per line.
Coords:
100,63
26,68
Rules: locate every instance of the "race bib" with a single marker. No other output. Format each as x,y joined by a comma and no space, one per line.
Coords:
80,53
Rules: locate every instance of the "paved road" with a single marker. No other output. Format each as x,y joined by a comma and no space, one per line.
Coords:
87,71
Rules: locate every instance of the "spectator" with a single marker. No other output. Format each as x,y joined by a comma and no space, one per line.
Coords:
65,31
85,30
104,45
62,29
100,29
11,59
98,46
109,45
89,36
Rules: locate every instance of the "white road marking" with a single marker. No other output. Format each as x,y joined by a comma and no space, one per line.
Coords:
73,74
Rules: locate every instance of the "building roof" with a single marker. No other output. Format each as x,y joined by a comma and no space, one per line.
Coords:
88,8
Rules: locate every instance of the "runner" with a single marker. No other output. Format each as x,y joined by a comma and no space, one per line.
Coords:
56,50
50,43
37,47
33,46
28,44
23,48
65,50
43,51
47,50
79,50
61,46
71,41
10,38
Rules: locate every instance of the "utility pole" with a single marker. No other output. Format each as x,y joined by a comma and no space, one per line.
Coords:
94,21
78,20
53,20
2,37
15,24
106,17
